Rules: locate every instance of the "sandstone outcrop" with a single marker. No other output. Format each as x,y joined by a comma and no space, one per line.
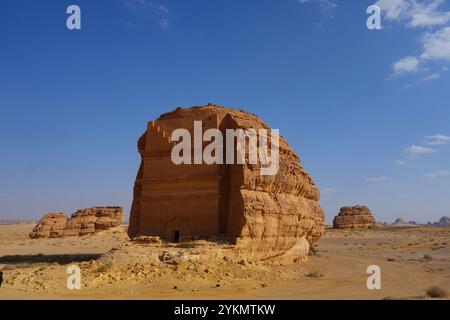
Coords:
50,226
264,216
90,220
354,217
443,222
400,221
82,222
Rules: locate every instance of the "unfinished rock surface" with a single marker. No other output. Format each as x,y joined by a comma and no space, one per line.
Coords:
50,226
82,222
264,216
87,221
354,217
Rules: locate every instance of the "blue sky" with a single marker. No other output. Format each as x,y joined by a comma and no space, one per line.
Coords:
356,104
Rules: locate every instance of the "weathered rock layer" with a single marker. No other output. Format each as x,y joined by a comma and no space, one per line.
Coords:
354,217
50,226
82,222
90,220
265,216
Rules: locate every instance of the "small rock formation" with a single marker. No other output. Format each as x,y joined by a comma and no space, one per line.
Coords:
87,221
354,217
147,240
108,217
50,226
82,222
16,221
400,221
443,222
264,216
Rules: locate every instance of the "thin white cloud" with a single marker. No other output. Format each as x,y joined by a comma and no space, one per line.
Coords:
394,9
436,174
432,76
436,45
415,14
152,10
435,42
426,15
437,74
430,143
405,65
377,179
418,150
438,139
146,6
328,190
164,23
327,7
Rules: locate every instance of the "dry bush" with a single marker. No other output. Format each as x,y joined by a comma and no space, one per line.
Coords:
437,292
314,274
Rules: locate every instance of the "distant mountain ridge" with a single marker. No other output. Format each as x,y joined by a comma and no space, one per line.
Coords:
16,221
443,222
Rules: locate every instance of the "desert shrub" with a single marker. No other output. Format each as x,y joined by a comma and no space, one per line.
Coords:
395,298
390,259
312,251
389,298
105,267
427,257
437,292
314,274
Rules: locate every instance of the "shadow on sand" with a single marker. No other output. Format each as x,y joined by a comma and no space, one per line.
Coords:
41,258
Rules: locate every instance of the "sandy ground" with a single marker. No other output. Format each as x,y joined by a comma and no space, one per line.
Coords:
412,259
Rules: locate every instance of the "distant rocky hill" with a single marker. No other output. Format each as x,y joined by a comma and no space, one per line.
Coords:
354,217
443,222
400,221
16,221
82,222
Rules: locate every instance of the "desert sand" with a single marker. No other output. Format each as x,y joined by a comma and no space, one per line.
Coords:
412,259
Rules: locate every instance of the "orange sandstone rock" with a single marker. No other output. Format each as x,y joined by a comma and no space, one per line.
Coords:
264,216
50,226
82,222
354,217
87,221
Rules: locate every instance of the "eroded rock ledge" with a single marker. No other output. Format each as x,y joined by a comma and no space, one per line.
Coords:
354,217
82,222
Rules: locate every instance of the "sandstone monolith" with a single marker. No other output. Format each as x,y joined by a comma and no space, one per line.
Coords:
354,217
263,216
